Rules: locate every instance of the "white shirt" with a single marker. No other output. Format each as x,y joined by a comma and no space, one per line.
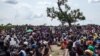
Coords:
6,38
13,42
74,44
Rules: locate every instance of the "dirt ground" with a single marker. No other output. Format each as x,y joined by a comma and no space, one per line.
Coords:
57,51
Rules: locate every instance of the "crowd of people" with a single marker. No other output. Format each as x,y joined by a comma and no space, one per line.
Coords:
37,40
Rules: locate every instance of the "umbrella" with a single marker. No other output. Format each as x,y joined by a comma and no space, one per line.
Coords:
29,30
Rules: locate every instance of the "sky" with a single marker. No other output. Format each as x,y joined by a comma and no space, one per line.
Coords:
34,11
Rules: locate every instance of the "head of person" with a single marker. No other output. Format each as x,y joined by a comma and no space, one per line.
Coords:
90,47
88,53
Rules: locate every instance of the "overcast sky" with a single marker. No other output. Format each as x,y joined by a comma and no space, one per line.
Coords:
34,11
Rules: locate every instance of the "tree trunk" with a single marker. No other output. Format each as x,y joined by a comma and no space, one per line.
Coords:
62,23
62,26
69,23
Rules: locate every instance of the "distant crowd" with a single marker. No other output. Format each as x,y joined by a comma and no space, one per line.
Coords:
37,40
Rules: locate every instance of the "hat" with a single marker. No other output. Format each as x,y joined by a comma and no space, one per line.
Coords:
25,43
34,46
88,52
45,42
91,48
